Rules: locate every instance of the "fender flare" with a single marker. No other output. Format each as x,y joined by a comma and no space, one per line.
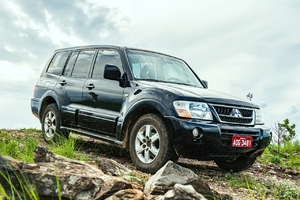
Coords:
46,99
136,110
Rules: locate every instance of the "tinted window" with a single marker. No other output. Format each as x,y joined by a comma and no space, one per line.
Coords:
106,56
70,65
158,67
58,62
82,65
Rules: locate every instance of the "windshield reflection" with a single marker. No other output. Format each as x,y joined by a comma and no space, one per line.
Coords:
161,68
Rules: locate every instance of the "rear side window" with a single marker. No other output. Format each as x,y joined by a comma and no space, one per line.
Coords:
82,65
70,65
58,62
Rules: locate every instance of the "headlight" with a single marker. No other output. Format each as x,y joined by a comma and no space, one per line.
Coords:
188,109
259,119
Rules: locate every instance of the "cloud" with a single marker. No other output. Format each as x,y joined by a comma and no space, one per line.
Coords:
33,28
238,46
294,109
31,31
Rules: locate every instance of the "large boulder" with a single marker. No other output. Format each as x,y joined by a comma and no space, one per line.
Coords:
54,175
169,175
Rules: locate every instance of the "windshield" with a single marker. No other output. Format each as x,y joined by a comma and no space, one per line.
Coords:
156,67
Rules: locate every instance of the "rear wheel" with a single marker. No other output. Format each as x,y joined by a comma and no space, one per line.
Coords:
150,143
239,164
51,122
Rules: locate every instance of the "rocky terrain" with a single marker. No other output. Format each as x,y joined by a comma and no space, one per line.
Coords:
188,179
268,175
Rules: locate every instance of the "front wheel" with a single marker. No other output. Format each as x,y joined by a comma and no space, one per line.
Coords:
51,122
239,164
150,143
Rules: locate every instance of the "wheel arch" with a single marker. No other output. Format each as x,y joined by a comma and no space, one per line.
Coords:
47,99
135,112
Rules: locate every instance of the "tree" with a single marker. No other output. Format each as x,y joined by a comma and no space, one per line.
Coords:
284,132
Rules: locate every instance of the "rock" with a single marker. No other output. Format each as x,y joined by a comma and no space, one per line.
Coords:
272,172
171,174
53,175
112,167
183,192
129,194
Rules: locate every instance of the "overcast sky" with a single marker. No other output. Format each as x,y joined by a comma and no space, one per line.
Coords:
237,46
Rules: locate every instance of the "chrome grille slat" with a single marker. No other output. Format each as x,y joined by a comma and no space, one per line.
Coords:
234,115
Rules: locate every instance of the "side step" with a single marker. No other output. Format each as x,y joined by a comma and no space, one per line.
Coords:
99,136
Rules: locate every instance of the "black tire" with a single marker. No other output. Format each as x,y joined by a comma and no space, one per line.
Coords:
51,123
150,145
240,164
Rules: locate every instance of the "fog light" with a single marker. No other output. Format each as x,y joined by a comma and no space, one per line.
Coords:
195,132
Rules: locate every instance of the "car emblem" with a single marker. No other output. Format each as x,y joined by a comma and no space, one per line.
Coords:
236,113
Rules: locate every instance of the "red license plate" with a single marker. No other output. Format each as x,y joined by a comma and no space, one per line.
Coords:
242,141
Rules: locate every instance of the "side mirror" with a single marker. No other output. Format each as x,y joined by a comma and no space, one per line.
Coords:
205,83
112,72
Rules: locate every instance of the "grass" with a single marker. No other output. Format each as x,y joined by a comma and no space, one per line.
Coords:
20,145
26,191
261,188
288,155
70,148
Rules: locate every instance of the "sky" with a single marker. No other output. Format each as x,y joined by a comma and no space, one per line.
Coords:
238,46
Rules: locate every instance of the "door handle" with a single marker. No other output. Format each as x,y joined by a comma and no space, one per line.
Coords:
90,86
63,82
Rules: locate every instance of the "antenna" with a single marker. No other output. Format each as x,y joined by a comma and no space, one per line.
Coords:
249,96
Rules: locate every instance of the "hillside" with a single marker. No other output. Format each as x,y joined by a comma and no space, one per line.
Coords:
264,180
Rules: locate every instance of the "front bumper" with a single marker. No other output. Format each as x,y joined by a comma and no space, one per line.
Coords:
214,140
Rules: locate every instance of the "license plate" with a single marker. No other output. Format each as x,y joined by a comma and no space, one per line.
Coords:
242,141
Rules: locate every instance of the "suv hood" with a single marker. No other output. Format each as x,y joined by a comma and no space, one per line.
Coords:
201,94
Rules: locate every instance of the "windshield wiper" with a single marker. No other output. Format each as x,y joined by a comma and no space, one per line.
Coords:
146,79
155,80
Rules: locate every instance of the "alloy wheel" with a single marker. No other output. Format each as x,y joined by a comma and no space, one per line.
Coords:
147,143
50,124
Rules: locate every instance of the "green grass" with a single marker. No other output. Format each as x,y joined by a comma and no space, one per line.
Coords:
70,148
19,144
260,188
288,155
27,189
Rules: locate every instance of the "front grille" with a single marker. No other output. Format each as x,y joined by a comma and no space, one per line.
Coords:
234,115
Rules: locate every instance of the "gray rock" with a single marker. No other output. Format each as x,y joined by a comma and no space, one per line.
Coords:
183,192
170,174
112,167
129,194
55,175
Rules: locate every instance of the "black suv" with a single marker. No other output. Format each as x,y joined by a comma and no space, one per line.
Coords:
150,103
